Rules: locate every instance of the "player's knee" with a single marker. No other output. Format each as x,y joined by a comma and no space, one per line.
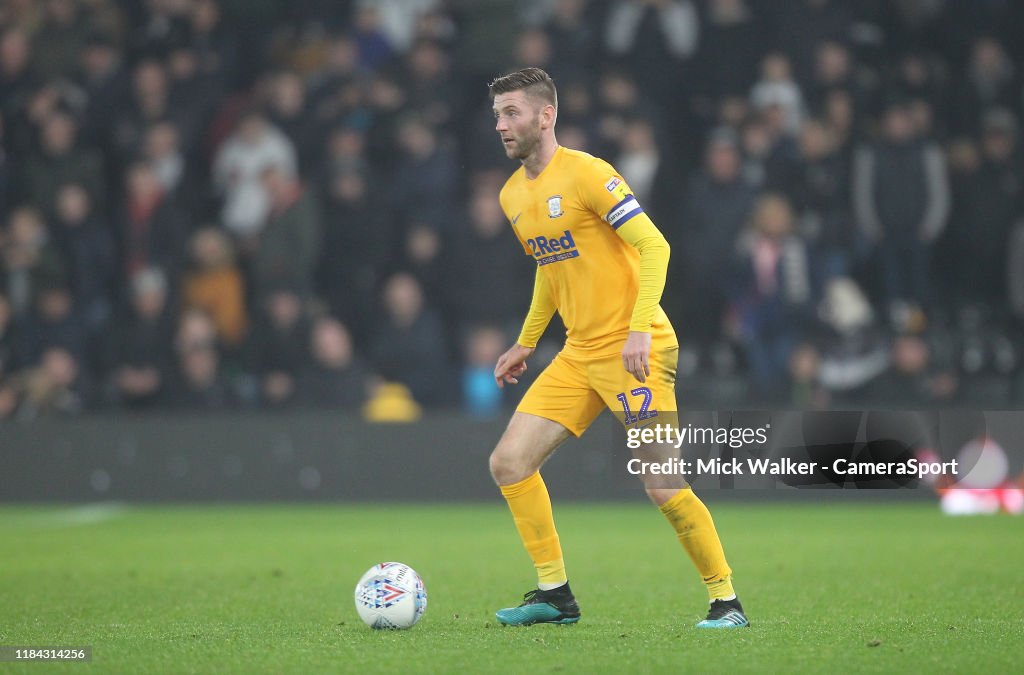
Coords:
501,468
660,495
505,467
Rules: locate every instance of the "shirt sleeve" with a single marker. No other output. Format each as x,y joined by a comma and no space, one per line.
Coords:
606,193
542,308
642,234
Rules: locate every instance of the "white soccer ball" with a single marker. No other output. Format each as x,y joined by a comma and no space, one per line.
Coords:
391,596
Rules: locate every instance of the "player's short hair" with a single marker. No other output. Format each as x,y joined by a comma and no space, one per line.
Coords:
534,81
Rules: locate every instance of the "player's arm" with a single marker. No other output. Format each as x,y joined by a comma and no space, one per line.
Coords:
512,363
642,234
608,195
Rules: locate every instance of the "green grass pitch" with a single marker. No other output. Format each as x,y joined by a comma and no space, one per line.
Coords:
268,589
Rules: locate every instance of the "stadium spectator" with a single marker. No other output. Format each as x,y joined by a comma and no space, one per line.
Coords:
990,80
104,81
288,245
385,105
645,168
912,377
426,180
917,78
806,392
140,351
288,111
30,258
777,89
484,344
254,147
964,160
397,19
215,285
198,384
716,208
731,45
335,89
148,102
59,41
901,201
104,17
345,152
162,150
771,292
485,250
841,118
157,26
375,42
853,349
216,43
55,386
575,109
804,24
533,46
573,37
991,203
833,69
54,322
429,82
279,344
151,226
193,92
619,100
335,377
87,247
409,344
351,264
652,35
61,160
818,186
769,150
17,79
422,258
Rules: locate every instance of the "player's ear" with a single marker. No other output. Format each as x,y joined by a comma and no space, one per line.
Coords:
547,116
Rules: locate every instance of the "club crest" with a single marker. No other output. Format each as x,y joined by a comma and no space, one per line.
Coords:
555,206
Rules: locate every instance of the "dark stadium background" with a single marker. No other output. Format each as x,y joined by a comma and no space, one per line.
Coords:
250,247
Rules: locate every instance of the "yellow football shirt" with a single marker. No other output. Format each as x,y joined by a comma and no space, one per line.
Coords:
566,219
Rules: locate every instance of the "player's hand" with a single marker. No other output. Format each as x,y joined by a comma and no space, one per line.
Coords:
636,355
511,365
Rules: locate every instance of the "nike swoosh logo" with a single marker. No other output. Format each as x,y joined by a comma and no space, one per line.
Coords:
514,220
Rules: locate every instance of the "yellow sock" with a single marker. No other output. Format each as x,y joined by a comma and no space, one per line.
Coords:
696,531
531,509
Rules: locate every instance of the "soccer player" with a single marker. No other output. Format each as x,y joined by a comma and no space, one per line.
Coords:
601,263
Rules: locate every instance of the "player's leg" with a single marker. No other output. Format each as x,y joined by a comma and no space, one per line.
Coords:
696,531
555,407
653,402
515,465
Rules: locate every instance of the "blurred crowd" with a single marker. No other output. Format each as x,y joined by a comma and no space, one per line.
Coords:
222,204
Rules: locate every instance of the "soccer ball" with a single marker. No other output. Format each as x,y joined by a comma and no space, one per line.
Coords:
391,596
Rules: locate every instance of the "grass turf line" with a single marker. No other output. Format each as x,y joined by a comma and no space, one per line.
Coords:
268,589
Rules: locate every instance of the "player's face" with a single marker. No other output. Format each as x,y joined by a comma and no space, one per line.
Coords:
518,122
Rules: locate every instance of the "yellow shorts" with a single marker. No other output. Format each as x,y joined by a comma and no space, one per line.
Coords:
573,392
